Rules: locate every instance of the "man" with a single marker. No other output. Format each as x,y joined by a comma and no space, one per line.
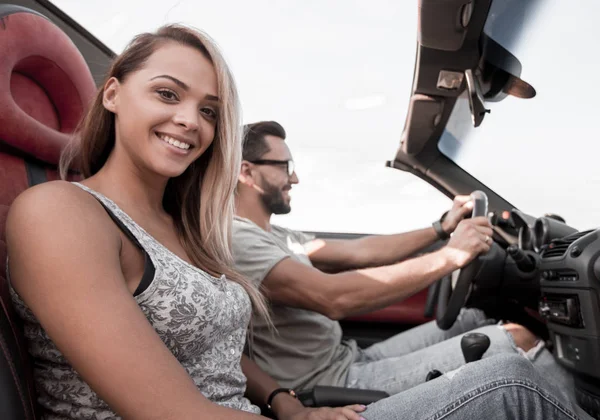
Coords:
311,284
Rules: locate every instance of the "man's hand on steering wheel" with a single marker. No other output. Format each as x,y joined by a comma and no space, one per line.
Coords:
471,238
461,208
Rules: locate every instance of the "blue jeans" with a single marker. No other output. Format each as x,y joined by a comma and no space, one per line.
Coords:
403,361
505,386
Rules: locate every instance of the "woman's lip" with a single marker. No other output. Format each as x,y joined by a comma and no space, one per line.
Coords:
161,135
182,152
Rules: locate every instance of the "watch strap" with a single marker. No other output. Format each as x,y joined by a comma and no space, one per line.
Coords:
288,391
441,233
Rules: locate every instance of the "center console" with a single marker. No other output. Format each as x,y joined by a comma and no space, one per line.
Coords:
570,290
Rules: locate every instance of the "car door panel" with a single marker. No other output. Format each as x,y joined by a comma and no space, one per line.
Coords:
410,311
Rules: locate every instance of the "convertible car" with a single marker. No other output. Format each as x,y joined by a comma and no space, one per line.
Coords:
501,103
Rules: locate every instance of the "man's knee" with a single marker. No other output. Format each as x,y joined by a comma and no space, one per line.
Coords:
507,366
522,337
471,318
501,366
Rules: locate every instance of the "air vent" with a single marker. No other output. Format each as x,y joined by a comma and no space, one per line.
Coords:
554,250
558,247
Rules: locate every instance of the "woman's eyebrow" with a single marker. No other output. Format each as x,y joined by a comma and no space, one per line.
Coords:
174,80
184,86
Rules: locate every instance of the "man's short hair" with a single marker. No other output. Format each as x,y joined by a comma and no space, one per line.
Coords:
254,145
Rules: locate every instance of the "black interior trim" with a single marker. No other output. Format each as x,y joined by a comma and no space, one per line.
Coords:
13,151
96,54
12,371
448,30
77,27
36,174
418,152
334,396
10,9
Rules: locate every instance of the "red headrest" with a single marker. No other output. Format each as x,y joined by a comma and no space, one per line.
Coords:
45,84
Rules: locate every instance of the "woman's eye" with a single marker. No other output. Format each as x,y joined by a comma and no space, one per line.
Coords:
168,95
209,112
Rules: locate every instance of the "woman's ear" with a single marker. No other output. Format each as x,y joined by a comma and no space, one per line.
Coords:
111,94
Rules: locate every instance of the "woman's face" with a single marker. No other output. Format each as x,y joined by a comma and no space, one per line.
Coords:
166,112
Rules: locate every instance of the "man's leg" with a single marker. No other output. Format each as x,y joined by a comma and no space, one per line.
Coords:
424,336
497,388
397,374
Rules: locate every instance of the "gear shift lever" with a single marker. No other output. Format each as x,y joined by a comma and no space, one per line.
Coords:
473,346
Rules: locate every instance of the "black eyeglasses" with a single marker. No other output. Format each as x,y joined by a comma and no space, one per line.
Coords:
290,167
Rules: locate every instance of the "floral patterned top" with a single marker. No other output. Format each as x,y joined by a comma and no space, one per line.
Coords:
201,319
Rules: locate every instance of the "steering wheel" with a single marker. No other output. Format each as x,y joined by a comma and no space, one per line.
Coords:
455,288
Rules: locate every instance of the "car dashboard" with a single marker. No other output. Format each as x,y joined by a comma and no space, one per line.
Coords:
568,274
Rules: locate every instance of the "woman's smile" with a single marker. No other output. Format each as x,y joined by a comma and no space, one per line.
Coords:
177,145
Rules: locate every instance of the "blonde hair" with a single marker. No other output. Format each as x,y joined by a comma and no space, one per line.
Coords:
201,200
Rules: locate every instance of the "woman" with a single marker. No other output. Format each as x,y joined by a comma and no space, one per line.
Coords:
123,280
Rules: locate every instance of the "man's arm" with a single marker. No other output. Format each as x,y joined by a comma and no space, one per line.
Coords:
374,251
336,255
337,296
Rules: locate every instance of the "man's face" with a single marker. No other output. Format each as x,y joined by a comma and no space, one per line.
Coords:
274,178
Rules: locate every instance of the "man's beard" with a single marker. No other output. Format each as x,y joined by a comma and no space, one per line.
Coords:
273,200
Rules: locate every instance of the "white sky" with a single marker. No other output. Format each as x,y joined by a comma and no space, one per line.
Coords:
551,141
337,75
309,64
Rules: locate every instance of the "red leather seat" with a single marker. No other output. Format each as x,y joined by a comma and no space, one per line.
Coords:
45,86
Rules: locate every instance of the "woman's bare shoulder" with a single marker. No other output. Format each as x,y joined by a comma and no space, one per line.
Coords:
54,199
49,193
56,208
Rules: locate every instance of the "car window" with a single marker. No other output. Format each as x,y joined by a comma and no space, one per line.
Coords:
540,154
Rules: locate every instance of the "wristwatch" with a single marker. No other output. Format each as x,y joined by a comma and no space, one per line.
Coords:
439,230
279,391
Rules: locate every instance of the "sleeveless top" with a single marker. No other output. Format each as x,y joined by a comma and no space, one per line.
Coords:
202,319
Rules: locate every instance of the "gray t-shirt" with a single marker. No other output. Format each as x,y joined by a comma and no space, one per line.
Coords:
307,348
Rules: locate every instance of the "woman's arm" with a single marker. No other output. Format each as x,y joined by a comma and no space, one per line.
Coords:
284,406
260,386
64,263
